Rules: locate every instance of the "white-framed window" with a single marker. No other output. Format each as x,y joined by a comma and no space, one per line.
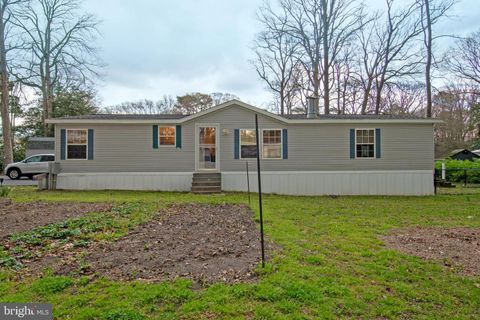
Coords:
248,144
272,144
77,144
166,136
365,143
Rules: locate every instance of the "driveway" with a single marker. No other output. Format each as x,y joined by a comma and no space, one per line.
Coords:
21,182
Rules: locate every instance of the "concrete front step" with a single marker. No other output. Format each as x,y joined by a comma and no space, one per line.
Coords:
204,189
207,178
209,182
206,182
207,174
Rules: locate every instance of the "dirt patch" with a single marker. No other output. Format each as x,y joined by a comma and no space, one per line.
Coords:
456,248
20,217
205,243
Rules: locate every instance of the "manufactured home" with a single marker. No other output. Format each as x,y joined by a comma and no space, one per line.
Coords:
307,154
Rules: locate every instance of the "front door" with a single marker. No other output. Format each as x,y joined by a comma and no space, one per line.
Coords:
207,147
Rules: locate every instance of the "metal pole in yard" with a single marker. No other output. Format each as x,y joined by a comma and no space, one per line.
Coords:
444,175
248,183
260,190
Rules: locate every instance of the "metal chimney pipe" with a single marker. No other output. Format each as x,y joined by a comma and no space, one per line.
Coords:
311,109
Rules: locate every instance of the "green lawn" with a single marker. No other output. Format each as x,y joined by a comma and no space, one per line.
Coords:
332,264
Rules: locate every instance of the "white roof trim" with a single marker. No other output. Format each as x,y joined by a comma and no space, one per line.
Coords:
243,105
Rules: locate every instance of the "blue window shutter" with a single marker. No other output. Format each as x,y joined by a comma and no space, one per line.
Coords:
236,143
378,146
352,143
178,137
155,137
90,144
63,144
285,143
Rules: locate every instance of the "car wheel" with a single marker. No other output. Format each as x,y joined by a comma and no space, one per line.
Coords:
14,174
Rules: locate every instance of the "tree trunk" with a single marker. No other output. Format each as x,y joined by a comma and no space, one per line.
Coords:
47,83
339,94
366,96
326,75
47,103
282,101
44,109
428,43
326,86
316,86
378,98
5,99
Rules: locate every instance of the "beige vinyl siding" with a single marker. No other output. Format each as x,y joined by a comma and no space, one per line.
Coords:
311,147
129,148
319,147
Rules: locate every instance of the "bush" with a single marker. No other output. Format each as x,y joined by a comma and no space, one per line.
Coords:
455,170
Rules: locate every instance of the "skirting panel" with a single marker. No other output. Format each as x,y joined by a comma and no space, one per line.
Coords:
164,181
334,182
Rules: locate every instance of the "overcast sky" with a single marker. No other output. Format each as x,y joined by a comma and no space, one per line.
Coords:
157,47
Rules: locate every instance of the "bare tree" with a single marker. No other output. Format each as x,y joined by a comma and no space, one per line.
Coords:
404,98
6,14
61,50
164,106
389,51
277,54
343,74
431,12
220,97
458,105
428,41
320,28
341,20
464,58
400,57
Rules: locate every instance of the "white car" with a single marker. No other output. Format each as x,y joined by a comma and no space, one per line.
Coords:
29,167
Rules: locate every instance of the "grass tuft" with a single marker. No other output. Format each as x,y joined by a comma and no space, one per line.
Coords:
5,191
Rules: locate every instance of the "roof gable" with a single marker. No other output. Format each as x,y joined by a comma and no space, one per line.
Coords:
234,103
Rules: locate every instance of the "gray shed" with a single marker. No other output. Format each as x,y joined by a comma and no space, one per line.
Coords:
40,145
463,154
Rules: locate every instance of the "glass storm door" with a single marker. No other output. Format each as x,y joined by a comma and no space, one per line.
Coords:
207,148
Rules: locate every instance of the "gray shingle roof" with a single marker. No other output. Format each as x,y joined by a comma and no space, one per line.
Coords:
290,117
354,117
41,143
126,117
